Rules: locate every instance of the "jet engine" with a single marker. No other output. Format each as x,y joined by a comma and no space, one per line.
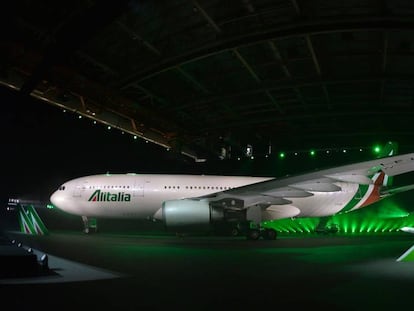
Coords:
189,214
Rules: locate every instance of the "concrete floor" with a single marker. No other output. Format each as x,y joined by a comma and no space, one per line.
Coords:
155,272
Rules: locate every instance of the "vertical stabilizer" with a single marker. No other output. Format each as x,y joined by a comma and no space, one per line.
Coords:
388,150
30,222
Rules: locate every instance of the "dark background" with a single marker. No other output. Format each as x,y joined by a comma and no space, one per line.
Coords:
42,147
339,72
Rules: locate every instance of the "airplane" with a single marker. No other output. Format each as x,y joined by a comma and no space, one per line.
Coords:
184,202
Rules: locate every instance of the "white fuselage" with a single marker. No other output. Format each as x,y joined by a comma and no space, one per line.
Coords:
137,195
142,195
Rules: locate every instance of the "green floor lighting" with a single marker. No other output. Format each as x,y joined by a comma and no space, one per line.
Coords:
379,218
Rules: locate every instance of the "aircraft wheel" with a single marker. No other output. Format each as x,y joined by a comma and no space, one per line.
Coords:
253,234
269,234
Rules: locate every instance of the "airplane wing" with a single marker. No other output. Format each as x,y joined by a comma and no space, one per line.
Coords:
276,197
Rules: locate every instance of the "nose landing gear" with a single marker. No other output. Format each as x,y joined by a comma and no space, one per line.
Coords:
89,225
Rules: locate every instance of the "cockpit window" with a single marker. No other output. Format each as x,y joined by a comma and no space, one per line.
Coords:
61,188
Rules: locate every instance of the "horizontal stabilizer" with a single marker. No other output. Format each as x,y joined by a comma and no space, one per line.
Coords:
408,255
392,191
392,170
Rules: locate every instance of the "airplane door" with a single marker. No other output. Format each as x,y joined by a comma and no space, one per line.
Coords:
138,190
80,189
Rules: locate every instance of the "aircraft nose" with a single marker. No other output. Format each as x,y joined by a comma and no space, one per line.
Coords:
56,198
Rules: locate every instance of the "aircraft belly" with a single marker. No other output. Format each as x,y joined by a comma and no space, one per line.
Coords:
274,212
117,209
326,203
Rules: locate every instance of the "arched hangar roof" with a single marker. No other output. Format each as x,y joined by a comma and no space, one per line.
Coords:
198,76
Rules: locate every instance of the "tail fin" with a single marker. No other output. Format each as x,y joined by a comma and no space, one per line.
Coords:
30,222
389,149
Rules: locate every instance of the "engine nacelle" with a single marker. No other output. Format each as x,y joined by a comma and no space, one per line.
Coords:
190,214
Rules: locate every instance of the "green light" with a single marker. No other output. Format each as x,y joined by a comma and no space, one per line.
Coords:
354,226
389,209
312,153
364,227
377,149
50,206
382,217
281,155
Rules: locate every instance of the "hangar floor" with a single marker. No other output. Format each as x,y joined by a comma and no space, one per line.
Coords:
153,272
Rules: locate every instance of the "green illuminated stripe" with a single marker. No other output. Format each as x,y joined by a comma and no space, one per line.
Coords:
38,224
30,221
408,255
26,225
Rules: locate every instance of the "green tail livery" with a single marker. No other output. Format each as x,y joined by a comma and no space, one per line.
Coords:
30,222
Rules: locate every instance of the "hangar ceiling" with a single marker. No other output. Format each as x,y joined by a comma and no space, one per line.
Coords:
204,76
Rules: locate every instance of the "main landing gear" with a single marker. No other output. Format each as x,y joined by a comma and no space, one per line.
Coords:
265,233
253,231
89,225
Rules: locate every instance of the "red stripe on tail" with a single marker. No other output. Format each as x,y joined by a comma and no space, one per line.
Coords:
375,194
